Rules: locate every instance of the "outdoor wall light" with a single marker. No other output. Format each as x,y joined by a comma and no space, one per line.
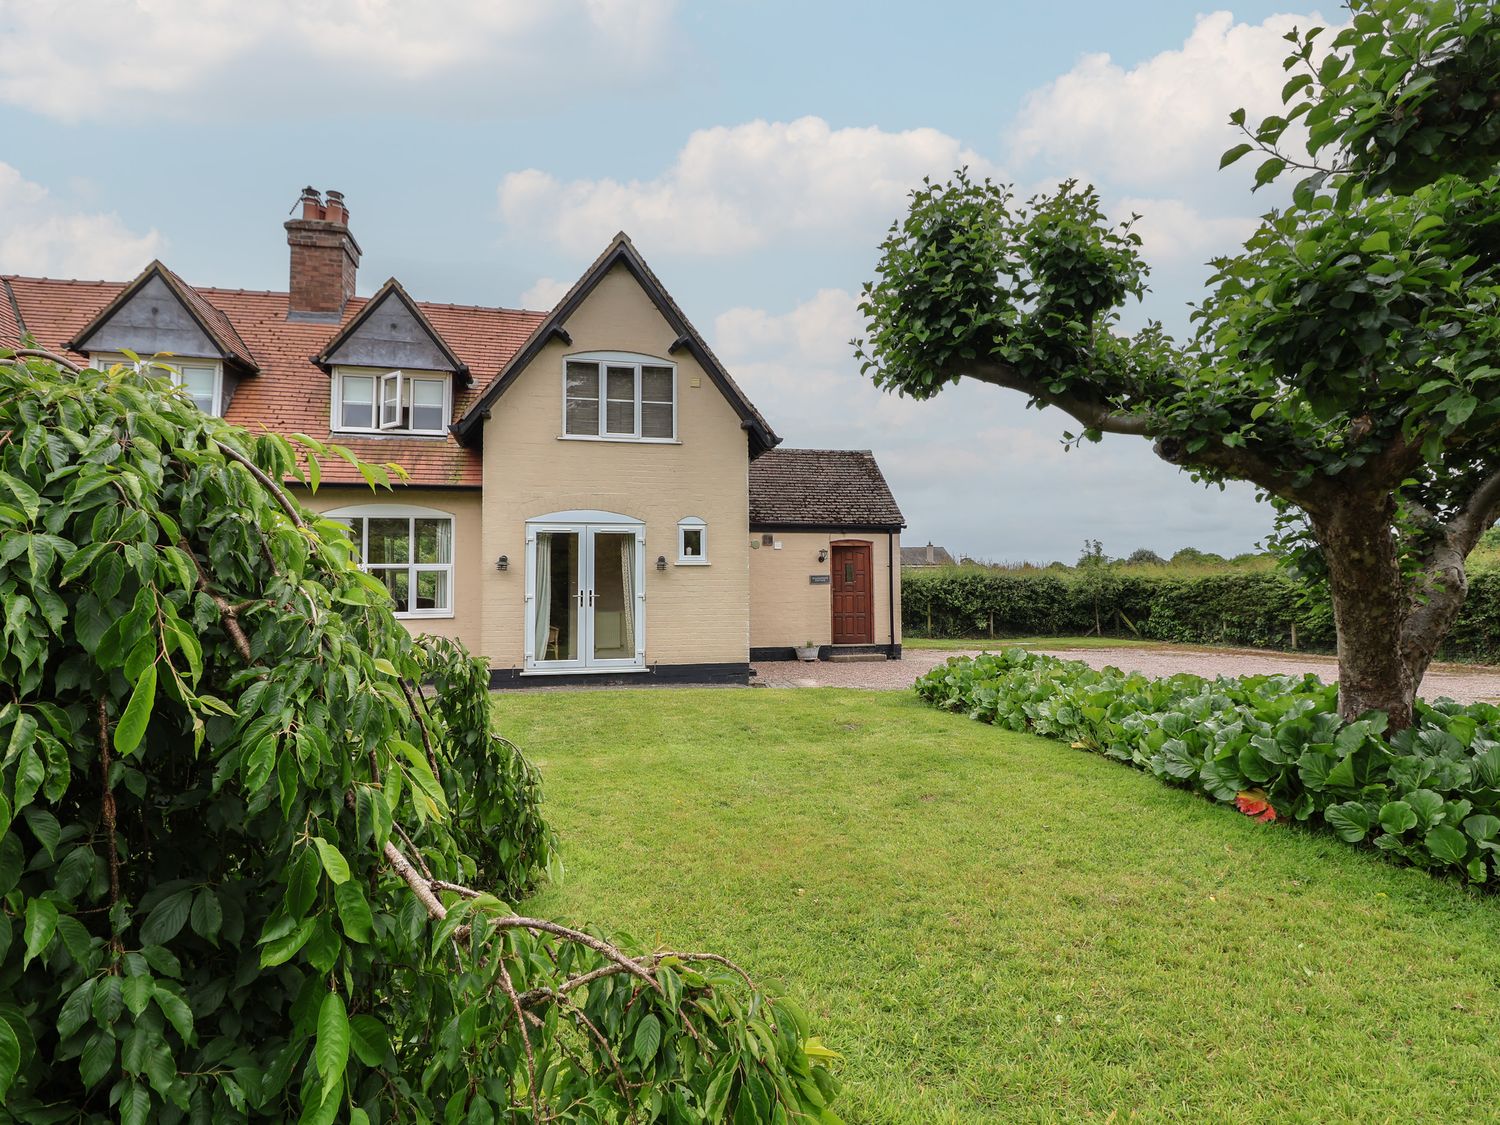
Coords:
502,563
822,554
661,562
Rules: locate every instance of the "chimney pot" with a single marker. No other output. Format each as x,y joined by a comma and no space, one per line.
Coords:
334,210
930,558
312,203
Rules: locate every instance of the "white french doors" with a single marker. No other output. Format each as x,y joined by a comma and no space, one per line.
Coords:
585,594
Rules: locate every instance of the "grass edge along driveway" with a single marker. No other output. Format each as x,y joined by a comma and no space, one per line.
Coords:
993,927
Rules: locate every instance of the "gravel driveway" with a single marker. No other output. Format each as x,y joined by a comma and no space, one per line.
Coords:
1468,684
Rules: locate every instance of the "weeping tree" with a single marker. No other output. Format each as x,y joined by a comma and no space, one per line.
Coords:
256,844
1346,362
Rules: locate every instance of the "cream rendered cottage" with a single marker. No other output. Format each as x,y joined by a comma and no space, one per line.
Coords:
591,494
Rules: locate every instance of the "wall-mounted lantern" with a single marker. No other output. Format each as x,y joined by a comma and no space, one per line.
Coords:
822,554
502,563
661,562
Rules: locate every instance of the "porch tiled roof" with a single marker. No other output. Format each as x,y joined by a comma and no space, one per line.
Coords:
821,488
291,394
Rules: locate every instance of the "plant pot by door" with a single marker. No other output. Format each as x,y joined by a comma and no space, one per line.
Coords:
807,653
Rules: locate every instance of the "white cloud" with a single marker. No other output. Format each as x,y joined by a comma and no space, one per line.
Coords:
545,293
735,188
1166,119
40,235
1173,231
187,58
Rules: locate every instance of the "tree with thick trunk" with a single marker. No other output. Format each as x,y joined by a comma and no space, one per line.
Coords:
1346,361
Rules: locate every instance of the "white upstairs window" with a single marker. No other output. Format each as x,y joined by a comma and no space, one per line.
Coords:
202,379
402,402
618,396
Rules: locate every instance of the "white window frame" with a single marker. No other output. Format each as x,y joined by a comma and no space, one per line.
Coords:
684,525
604,360
383,377
173,365
411,513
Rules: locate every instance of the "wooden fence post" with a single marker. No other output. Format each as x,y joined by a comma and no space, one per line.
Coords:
1294,636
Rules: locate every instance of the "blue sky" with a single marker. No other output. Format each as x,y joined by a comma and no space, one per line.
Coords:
755,152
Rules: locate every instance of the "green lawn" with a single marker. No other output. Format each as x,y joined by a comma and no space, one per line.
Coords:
993,927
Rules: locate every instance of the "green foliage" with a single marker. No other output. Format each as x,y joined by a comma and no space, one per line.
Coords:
214,746
971,277
1257,609
1405,96
1428,795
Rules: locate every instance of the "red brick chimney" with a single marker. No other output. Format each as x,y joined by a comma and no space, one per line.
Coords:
324,258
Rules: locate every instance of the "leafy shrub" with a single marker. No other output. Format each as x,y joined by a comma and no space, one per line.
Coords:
1274,745
248,867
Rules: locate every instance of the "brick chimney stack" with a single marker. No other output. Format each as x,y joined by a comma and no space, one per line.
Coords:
325,258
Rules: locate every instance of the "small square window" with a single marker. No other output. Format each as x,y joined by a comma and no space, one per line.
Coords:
692,542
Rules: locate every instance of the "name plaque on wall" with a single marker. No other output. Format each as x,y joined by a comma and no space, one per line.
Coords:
820,579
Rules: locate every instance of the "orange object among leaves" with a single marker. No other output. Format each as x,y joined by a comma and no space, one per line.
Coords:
1253,803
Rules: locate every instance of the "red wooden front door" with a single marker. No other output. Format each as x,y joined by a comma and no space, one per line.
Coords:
853,617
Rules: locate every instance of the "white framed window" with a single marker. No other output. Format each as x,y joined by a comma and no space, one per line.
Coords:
692,542
203,379
404,402
618,396
410,550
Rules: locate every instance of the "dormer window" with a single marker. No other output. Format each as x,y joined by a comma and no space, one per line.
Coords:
400,402
619,397
203,379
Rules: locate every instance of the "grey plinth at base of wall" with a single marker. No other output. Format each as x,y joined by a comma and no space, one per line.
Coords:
654,676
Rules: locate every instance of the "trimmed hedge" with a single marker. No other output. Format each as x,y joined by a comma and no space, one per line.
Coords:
1257,610
1274,746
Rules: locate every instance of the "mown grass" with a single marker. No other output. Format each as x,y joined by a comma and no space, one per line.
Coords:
993,927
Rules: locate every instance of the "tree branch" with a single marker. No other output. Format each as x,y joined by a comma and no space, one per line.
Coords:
1477,515
107,806
41,353
287,504
1236,461
515,1004
1092,414
229,613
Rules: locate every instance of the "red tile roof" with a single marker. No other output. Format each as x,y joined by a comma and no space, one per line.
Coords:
291,394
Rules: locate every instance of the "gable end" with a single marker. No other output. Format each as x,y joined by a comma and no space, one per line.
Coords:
621,252
391,331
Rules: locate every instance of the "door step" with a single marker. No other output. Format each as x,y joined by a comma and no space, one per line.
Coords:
837,657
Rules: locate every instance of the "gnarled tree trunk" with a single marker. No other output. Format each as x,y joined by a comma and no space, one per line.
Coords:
1371,606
